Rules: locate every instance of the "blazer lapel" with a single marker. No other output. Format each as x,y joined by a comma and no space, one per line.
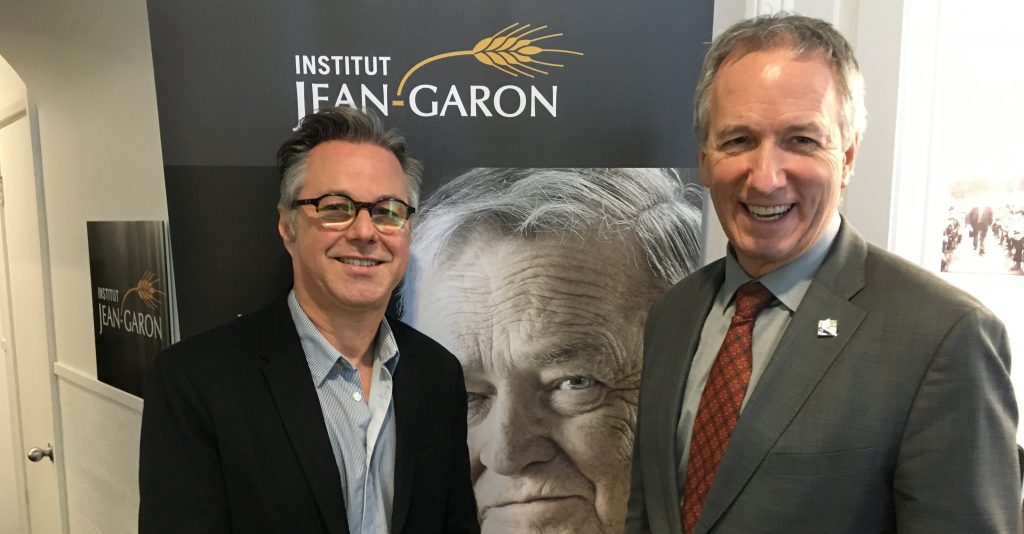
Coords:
406,395
668,383
288,377
797,365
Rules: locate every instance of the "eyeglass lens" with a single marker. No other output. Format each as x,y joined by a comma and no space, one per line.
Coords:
336,211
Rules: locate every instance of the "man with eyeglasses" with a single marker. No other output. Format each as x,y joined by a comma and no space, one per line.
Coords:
316,414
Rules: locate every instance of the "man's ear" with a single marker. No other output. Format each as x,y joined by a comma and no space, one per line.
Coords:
702,157
285,229
849,157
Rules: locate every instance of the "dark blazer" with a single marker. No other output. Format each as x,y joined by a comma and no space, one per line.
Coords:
979,218
233,439
903,422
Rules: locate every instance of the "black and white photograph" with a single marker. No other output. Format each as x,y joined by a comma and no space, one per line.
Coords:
984,228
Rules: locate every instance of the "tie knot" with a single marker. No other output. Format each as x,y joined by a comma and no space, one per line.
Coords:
751,298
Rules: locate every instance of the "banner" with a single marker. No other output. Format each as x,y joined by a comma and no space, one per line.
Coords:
132,307
231,87
579,113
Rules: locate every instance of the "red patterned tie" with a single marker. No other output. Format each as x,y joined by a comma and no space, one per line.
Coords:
720,403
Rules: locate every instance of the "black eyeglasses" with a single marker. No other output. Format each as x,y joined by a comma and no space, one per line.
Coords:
337,211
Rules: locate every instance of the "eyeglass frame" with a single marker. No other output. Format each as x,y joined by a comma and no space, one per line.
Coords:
368,206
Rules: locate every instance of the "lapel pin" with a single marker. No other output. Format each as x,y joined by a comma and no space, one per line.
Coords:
828,328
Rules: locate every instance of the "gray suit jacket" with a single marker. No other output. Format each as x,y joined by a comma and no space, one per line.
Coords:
904,422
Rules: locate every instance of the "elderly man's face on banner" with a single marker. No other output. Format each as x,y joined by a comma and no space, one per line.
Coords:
549,332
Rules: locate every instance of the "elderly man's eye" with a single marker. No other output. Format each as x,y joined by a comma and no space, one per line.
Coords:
478,404
576,382
577,394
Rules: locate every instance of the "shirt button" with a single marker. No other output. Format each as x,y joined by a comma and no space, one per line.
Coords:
357,396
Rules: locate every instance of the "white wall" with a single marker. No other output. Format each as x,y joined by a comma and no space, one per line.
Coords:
869,198
88,70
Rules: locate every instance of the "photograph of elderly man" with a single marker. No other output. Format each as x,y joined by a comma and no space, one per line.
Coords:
539,281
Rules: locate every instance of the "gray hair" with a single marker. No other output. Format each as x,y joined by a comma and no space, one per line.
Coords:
805,36
339,124
652,206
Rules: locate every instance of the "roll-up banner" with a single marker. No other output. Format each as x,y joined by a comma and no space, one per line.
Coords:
558,200
133,318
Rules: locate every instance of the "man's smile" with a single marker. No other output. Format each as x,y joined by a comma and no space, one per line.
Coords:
768,213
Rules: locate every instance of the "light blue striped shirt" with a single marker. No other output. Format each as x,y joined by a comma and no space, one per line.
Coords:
362,433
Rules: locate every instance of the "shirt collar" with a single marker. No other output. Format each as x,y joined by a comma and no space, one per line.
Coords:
790,282
321,356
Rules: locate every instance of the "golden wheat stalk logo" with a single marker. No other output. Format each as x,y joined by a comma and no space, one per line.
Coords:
509,51
146,291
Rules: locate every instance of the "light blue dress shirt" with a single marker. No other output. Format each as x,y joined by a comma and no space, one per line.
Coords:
362,432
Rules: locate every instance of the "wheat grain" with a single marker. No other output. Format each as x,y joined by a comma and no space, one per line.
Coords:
507,51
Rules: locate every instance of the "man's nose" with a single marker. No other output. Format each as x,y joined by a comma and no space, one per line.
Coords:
766,168
516,435
362,227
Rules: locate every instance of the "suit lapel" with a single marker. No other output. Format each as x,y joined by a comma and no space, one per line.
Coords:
678,340
798,364
287,375
406,395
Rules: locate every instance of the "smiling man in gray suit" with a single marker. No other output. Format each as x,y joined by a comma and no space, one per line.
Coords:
810,381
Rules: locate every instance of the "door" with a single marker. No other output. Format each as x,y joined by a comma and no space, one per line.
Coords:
26,332
13,498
